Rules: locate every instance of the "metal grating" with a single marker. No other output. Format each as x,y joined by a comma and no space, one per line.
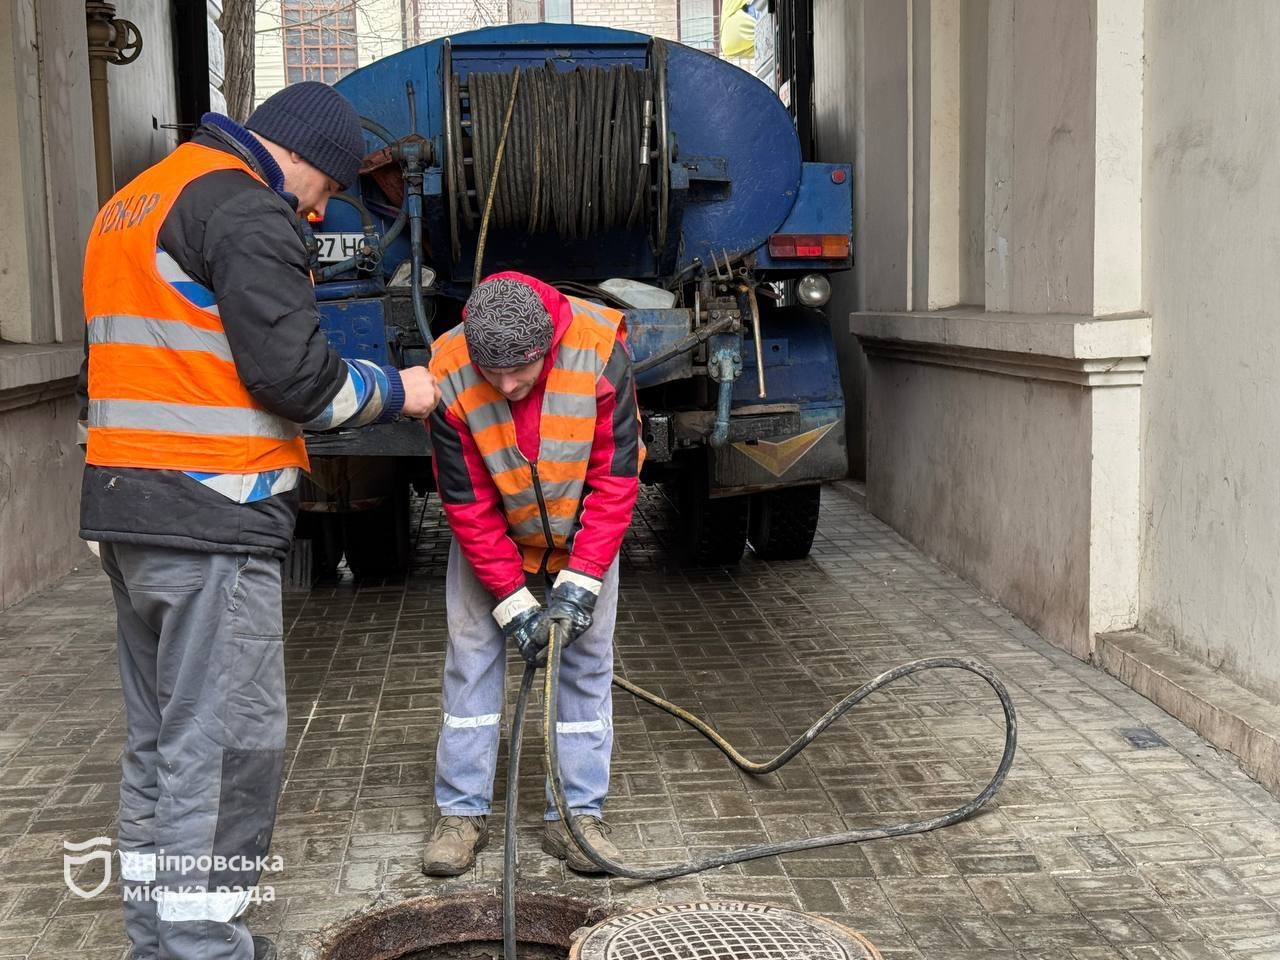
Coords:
728,930
1144,738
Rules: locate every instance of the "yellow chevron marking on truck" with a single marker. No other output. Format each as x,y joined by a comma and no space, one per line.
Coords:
779,456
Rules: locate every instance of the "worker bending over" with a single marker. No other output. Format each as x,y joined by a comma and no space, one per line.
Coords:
537,455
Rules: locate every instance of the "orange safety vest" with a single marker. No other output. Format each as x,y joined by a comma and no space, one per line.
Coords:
164,393
541,500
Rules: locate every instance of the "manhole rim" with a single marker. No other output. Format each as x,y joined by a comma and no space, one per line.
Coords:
627,918
372,934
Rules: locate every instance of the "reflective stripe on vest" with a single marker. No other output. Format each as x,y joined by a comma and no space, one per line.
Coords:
164,392
567,428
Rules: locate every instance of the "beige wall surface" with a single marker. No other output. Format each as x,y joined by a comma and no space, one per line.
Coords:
998,197
837,126
1210,567
47,198
963,468
18,274
40,470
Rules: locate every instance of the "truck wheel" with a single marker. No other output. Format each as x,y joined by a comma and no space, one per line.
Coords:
377,540
714,531
315,551
783,522
326,546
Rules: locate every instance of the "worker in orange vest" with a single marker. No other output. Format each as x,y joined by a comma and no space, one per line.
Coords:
205,362
537,454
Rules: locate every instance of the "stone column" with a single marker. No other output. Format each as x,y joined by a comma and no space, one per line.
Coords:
1003,435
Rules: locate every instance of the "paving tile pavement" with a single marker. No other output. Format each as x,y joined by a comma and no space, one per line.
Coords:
1106,843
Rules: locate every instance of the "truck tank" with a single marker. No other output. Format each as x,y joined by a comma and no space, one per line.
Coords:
636,172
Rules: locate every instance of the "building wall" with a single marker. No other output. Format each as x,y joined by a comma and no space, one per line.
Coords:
838,116
997,174
1211,268
40,470
268,55
1071,167
379,33
47,201
965,444
656,17
439,18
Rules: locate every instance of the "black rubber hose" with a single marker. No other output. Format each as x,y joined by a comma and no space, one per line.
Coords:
366,218
393,232
509,862
415,281
552,682
378,130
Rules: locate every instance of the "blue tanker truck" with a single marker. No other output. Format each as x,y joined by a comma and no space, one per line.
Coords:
622,168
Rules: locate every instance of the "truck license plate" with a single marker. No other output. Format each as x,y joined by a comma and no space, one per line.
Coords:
334,247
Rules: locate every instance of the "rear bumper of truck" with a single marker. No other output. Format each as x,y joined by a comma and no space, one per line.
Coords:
404,438
766,449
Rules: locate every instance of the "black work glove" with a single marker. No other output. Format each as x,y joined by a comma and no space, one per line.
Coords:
573,601
524,622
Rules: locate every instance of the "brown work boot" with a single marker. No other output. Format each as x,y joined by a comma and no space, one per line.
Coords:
453,845
557,841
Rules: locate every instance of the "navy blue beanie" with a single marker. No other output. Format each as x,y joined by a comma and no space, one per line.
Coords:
318,123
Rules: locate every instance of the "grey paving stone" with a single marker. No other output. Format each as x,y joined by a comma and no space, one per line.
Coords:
1095,850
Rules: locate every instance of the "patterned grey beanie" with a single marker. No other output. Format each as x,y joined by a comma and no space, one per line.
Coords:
506,324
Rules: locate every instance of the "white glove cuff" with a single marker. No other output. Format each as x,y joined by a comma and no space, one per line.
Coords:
514,605
578,580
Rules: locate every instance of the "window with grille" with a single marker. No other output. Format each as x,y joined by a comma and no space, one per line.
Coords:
700,24
319,39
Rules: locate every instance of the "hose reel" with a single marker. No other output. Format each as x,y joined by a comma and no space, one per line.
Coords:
586,150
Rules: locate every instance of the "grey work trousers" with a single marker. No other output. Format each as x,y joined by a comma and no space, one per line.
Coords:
202,673
474,674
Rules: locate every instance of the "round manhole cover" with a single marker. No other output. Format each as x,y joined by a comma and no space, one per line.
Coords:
730,930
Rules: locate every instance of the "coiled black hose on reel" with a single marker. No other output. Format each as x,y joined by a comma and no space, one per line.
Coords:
579,150
551,683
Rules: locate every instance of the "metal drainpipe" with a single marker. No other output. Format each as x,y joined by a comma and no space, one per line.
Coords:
111,40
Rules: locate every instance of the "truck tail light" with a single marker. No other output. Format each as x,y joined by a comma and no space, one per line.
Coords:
825,246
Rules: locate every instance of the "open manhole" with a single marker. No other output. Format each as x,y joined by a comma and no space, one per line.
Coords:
729,930
462,927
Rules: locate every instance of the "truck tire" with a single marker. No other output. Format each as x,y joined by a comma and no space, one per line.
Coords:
713,531
315,552
783,522
377,540
297,572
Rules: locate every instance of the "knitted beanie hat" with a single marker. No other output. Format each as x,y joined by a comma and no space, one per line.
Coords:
506,324
317,122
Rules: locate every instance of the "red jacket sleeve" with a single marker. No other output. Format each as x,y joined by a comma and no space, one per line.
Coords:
473,505
613,470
